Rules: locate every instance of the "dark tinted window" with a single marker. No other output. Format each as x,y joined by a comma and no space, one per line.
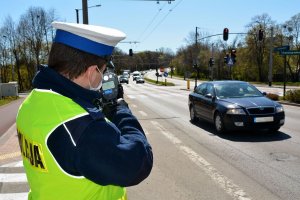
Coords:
201,89
210,89
236,90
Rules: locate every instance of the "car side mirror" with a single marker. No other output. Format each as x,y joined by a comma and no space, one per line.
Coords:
264,93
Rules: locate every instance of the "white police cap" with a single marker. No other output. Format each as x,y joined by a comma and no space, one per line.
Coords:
96,40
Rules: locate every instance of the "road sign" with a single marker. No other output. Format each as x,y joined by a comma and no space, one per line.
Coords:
165,74
230,62
292,52
282,48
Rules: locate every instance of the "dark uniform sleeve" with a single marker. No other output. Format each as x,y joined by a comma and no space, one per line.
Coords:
114,153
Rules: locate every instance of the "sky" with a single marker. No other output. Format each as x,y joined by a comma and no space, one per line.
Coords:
152,26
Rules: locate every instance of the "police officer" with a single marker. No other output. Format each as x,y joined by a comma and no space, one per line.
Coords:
70,150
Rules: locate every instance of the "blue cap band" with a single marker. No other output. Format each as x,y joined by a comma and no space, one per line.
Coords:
82,43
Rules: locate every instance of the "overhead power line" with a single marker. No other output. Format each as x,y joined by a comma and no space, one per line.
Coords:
160,22
151,22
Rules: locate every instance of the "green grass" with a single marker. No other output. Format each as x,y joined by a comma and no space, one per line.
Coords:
287,83
253,82
159,82
6,100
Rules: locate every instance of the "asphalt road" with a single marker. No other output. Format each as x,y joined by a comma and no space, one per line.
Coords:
8,114
191,161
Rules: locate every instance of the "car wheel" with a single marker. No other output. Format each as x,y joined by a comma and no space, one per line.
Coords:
219,124
193,114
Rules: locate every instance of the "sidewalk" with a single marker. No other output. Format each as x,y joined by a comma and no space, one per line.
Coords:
277,89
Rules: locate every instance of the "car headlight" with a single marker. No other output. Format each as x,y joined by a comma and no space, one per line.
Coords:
236,111
279,109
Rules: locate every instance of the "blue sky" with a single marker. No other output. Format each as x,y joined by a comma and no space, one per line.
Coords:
161,25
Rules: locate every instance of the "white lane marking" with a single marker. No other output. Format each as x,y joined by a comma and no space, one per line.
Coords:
224,182
171,137
143,113
10,155
133,105
146,132
14,177
131,96
154,95
141,96
13,196
14,164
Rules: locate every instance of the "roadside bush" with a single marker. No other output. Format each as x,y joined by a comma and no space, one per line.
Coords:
273,97
293,96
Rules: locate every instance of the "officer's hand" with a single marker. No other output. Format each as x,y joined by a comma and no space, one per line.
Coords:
122,103
109,110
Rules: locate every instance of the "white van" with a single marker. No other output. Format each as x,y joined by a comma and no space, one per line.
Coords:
135,74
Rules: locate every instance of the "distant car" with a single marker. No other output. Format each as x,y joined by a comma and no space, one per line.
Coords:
235,105
139,79
135,74
126,74
127,71
123,79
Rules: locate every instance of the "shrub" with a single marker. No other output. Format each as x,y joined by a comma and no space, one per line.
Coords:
293,96
273,97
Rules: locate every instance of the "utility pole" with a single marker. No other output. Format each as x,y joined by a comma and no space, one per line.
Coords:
271,58
212,67
84,15
77,15
195,60
85,12
196,37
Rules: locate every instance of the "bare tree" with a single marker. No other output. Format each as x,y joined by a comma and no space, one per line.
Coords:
35,31
9,33
4,58
257,50
292,31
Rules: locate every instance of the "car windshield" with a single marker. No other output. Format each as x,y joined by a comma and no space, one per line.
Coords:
236,90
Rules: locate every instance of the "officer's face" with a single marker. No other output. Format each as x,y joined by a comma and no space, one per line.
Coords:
96,76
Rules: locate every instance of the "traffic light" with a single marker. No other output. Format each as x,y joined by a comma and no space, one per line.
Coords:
260,35
225,34
211,62
226,58
233,55
130,52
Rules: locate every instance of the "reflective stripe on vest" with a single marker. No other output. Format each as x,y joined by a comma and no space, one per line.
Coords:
39,115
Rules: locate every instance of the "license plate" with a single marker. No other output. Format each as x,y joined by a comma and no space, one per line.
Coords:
263,119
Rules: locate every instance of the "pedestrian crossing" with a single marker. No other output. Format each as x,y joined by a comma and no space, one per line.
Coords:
13,182
151,91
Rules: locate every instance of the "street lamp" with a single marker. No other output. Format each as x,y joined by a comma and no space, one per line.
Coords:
195,64
289,29
77,11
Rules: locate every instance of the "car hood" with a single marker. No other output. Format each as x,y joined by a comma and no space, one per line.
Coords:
250,101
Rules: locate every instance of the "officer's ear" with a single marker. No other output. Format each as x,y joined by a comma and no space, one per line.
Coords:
102,68
91,69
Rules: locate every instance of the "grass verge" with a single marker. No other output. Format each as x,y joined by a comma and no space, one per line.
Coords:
159,82
6,100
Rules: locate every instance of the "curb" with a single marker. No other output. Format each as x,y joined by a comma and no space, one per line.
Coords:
289,103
